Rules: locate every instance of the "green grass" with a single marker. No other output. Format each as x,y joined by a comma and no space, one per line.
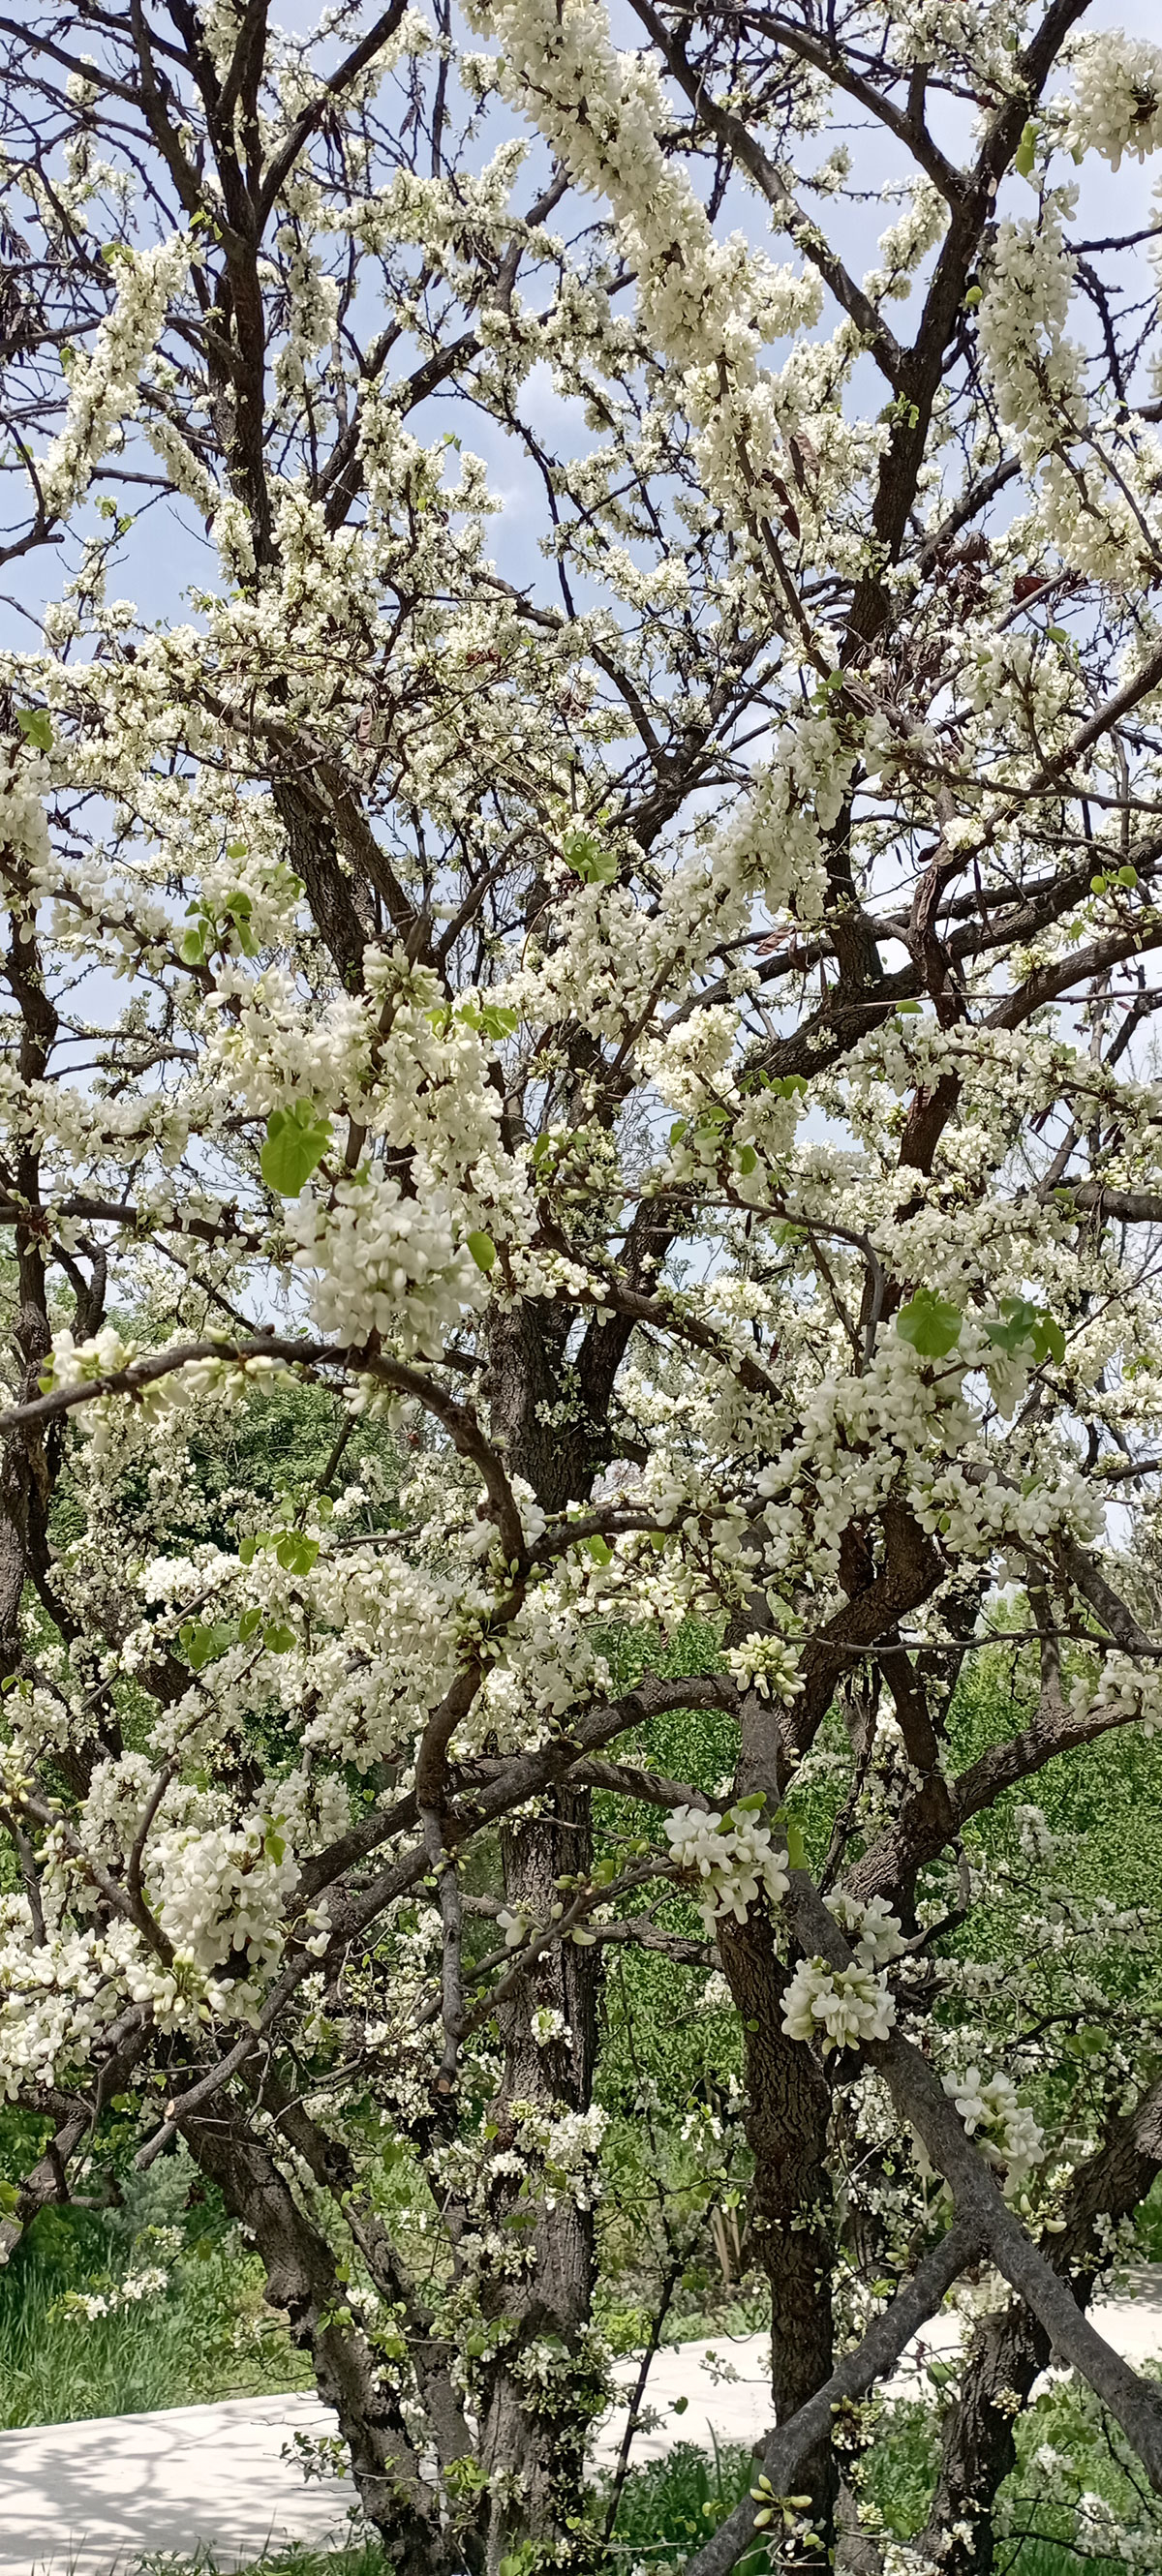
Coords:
204,2338
207,2334
671,2506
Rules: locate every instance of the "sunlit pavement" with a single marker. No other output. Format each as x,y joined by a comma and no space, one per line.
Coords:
89,2499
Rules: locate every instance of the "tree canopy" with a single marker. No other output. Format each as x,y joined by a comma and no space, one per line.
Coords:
582,1160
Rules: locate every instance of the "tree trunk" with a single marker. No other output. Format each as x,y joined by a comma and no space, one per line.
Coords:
533,2453
788,2222
535,2419
302,2278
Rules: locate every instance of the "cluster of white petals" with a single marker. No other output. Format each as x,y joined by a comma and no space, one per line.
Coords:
219,1893
380,1262
766,1663
1118,85
103,389
1008,2133
837,2007
731,1857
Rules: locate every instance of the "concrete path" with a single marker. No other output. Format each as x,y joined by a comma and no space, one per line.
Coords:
91,2499
85,2499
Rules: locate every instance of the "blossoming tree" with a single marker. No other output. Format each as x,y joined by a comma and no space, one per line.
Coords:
626,961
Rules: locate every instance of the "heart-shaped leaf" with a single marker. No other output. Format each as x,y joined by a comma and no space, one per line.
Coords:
296,1141
930,1324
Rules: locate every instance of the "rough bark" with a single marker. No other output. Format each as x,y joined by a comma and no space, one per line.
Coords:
302,2279
788,2216
534,2429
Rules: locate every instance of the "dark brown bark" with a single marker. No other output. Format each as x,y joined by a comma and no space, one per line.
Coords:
533,2431
788,2214
302,2279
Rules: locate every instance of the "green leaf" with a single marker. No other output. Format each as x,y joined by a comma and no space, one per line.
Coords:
278,1639
248,1626
796,1847
784,1086
296,1140
246,1547
589,860
1013,1325
296,1553
36,726
1019,1323
203,1642
972,298
1026,153
599,1549
747,1161
192,947
274,1845
930,1324
483,1251
497,1021
907,1010
1088,2042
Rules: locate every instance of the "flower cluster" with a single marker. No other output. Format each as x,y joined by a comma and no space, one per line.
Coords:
103,387
1118,86
874,1931
219,1894
731,1857
1008,2133
385,1263
838,2007
766,1664
128,2293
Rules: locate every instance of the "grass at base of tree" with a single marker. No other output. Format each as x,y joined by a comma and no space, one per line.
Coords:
363,2558
1036,2559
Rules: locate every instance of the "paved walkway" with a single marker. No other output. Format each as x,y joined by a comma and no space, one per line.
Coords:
91,2499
